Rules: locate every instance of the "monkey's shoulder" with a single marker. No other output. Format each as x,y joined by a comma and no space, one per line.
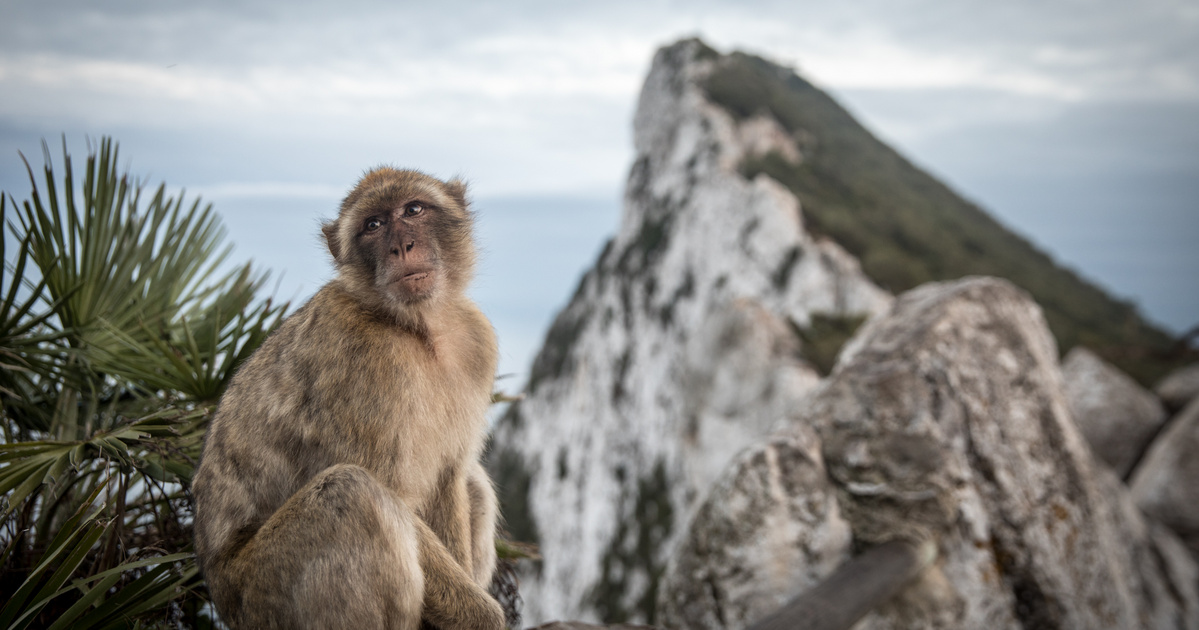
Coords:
334,324
334,348
465,338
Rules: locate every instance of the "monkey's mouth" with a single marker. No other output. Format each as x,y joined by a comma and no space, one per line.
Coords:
417,282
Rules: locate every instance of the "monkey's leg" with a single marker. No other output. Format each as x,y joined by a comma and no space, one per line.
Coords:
450,513
341,553
452,598
483,514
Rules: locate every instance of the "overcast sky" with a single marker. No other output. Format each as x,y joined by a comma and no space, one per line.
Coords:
1075,122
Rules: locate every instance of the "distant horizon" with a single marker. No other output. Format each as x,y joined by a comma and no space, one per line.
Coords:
520,311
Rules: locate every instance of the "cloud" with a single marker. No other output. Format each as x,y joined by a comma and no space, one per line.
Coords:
871,61
476,66
260,103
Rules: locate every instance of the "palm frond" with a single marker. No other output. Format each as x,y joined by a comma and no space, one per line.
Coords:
29,344
156,451
130,282
119,322
63,555
203,349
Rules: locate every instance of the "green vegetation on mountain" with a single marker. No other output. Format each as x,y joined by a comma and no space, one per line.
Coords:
824,337
907,228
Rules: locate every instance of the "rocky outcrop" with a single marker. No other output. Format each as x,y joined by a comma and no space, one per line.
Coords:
771,528
684,344
679,458
1166,484
1116,415
948,423
580,625
1179,387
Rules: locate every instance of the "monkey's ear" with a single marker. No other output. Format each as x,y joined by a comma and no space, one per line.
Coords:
457,189
332,239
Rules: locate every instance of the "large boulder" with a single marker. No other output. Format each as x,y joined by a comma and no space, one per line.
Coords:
1166,484
770,528
583,625
1179,387
948,421
1116,415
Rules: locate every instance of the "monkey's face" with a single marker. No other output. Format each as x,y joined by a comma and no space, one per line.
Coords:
400,242
404,234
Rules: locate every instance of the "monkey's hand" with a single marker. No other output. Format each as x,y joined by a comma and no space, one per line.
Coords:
452,599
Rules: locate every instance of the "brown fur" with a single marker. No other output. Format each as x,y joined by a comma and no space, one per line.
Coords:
340,485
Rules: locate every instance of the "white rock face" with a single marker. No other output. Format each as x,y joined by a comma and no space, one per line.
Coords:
678,350
950,424
1117,416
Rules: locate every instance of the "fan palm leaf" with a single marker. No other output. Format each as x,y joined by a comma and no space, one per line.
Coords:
119,324
28,354
133,284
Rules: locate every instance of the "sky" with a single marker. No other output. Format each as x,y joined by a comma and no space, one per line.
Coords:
1074,122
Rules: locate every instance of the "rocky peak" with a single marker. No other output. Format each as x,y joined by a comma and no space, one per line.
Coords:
705,321
676,122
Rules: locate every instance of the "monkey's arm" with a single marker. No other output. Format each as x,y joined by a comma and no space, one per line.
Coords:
452,599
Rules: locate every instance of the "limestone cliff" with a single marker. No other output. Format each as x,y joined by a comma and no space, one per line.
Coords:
683,345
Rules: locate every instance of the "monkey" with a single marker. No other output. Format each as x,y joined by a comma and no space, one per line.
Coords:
340,483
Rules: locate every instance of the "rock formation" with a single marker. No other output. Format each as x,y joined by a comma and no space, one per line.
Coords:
1117,416
948,422
680,348
771,528
1179,387
1166,484
678,456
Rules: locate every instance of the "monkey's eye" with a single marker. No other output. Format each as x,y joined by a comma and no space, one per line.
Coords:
413,209
373,224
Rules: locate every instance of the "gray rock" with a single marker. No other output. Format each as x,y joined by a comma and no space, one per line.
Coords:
679,349
1116,415
771,528
947,422
580,625
1166,484
1179,387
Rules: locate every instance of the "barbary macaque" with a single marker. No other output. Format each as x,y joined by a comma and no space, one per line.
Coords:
340,484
